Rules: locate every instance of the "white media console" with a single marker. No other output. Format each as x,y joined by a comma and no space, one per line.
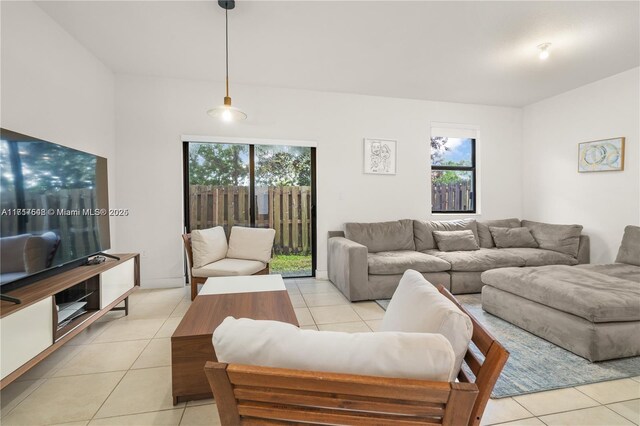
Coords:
57,308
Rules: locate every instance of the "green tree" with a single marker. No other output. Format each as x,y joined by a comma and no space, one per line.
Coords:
286,166
218,164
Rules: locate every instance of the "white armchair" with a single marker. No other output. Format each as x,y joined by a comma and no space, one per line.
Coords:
248,252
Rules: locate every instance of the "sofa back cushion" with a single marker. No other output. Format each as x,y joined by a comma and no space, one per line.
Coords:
561,238
418,307
282,345
513,237
208,246
629,251
423,231
251,243
484,235
12,253
382,236
456,240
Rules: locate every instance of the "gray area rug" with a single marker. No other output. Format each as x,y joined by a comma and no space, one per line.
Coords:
537,365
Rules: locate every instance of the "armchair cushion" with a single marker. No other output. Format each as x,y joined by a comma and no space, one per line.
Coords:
208,245
251,243
418,307
12,253
282,345
229,268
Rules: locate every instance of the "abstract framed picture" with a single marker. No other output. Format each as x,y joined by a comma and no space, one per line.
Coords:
605,155
380,156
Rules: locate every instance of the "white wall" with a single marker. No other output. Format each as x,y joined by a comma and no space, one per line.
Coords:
152,114
553,189
53,88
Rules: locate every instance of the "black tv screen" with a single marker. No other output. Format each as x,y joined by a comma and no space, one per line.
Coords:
54,207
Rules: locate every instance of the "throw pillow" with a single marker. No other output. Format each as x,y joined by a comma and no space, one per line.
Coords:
484,235
455,240
512,237
418,307
282,345
251,243
423,230
561,238
629,251
208,246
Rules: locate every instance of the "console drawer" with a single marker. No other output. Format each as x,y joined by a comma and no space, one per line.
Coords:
116,281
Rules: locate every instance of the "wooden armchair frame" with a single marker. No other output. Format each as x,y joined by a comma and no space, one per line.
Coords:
250,395
194,281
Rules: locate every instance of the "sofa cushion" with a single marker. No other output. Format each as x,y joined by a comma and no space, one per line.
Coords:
423,231
208,245
397,262
512,237
591,295
282,345
382,236
478,260
229,268
455,240
623,271
39,250
541,257
251,243
560,238
629,251
418,307
484,235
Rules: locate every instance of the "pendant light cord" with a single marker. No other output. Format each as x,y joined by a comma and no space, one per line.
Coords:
226,45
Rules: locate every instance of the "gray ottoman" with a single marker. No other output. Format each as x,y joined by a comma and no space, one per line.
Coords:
591,314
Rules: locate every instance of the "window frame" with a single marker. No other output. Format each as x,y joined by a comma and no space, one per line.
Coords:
471,169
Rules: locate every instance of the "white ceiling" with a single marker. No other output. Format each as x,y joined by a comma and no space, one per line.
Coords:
471,52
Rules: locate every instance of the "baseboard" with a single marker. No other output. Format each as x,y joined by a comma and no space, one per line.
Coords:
162,282
322,275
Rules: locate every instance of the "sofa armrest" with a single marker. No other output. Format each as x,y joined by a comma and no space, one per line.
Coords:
347,266
584,250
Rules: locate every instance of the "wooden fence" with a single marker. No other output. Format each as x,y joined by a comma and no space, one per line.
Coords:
287,209
452,197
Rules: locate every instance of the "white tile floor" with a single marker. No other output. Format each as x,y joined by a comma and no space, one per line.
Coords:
117,372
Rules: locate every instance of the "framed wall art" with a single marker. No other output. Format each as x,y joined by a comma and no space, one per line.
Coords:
601,156
380,156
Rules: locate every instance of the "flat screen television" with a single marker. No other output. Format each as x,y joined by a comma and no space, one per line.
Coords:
54,207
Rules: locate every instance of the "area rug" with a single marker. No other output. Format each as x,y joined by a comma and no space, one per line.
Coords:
536,365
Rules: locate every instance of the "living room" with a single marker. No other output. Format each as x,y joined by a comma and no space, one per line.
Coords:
132,82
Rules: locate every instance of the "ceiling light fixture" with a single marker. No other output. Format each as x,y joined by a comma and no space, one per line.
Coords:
544,51
226,112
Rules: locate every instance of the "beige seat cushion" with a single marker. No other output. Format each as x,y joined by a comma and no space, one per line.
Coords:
208,245
541,257
396,262
251,243
282,345
478,260
229,268
418,307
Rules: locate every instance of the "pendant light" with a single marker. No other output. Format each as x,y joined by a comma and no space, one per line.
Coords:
227,112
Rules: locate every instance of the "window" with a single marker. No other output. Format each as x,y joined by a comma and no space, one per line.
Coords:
453,175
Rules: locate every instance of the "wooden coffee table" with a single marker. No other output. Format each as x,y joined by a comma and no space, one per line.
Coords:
191,345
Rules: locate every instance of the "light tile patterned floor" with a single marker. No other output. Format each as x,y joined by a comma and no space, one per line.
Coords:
117,372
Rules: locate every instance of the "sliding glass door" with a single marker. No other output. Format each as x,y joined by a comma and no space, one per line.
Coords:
266,186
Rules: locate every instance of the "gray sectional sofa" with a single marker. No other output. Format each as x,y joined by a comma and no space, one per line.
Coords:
590,310
367,260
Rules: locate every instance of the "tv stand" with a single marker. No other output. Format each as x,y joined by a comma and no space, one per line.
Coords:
55,309
110,256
